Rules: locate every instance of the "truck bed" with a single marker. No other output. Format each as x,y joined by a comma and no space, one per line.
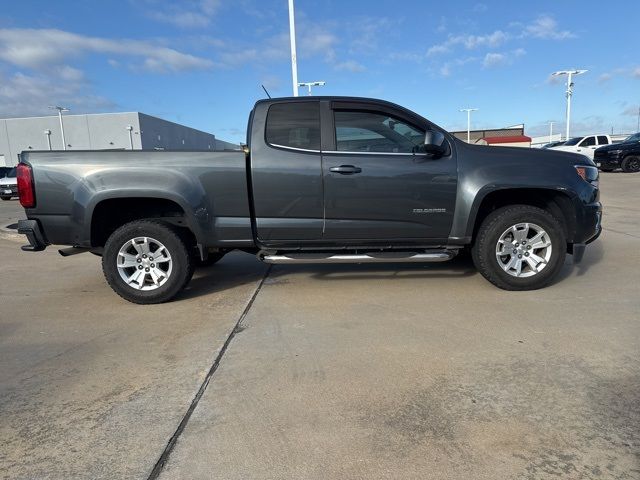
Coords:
209,187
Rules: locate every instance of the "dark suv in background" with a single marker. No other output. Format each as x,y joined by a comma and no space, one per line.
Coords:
625,155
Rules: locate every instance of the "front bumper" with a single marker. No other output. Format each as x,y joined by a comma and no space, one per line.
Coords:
31,228
588,229
608,162
589,223
8,190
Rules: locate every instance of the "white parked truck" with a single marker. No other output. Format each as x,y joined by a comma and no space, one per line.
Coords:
585,145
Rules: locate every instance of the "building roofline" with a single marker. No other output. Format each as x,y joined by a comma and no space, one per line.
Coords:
70,115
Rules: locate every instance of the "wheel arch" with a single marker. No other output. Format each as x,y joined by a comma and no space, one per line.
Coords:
109,213
559,203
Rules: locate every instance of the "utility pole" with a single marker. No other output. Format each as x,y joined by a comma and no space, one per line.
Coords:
569,92
311,84
469,110
60,110
638,128
551,132
294,59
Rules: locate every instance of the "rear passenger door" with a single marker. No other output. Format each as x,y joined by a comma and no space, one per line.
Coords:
286,171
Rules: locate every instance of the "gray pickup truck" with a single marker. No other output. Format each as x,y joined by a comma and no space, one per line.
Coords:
322,180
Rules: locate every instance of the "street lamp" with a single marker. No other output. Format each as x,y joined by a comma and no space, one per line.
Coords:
60,110
311,84
569,92
47,134
130,129
294,60
551,131
469,110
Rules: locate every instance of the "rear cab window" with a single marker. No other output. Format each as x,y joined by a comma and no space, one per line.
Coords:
294,125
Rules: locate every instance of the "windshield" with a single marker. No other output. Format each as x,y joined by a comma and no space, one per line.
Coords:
632,138
11,173
573,141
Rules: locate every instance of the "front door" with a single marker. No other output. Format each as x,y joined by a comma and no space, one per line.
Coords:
378,187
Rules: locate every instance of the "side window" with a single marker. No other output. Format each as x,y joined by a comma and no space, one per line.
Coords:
294,124
375,132
588,142
602,140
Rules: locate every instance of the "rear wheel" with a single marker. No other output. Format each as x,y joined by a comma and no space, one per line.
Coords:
146,262
519,247
631,164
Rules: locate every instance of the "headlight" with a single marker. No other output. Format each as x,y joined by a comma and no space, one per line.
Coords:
588,174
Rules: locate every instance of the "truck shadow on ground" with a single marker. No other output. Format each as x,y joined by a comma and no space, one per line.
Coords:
234,270
458,267
593,256
240,269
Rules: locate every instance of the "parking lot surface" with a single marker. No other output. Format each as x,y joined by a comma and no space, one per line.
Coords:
346,372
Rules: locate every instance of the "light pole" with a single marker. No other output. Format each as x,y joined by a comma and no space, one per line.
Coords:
47,133
130,129
60,110
311,84
469,110
294,60
569,92
551,131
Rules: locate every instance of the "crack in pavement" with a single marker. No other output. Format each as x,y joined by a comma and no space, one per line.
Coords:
158,467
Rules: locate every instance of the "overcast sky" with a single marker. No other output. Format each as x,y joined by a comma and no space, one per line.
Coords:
201,62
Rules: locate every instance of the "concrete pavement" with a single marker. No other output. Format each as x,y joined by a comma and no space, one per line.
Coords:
90,385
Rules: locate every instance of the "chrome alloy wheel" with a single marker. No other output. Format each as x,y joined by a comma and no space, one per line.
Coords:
144,263
523,250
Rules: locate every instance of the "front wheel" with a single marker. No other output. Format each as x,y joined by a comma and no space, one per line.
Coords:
519,247
146,262
5,198
631,164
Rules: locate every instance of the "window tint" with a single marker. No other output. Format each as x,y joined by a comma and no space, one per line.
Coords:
295,124
602,140
374,132
587,142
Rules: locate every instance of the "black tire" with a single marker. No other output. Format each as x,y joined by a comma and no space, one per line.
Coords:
213,258
631,164
181,262
5,198
497,223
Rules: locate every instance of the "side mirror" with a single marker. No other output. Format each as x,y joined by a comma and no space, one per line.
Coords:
434,142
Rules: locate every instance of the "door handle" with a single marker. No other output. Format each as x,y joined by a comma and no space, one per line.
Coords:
345,169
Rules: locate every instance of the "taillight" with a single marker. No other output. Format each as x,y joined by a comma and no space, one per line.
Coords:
26,191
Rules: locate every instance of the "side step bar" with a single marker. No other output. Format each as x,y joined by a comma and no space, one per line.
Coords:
382,257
